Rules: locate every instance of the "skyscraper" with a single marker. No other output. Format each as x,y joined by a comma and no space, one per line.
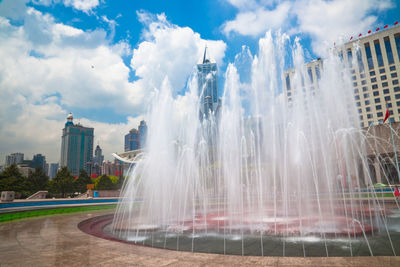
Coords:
53,168
38,161
76,147
98,156
131,140
207,86
142,134
136,139
14,158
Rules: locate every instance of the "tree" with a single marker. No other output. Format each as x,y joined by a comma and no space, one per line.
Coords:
104,183
37,180
12,180
82,181
62,183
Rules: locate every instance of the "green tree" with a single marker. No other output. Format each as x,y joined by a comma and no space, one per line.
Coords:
37,180
82,181
104,183
63,182
12,180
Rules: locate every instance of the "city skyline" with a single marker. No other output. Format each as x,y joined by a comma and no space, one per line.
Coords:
102,60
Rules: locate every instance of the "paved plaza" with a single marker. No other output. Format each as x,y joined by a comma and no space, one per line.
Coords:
57,241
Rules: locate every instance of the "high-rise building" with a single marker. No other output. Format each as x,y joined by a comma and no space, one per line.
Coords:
97,162
374,64
136,139
38,161
131,140
14,158
53,168
76,147
142,134
207,86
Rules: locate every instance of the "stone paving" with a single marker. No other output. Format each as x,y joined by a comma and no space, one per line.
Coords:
56,241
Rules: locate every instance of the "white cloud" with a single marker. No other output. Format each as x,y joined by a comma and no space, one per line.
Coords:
169,50
326,21
258,21
82,5
49,68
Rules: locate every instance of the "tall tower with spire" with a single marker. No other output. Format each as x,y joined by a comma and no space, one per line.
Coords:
207,86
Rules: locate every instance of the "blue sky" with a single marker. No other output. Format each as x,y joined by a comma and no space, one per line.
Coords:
101,59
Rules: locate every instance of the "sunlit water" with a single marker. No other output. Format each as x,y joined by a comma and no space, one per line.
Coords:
260,177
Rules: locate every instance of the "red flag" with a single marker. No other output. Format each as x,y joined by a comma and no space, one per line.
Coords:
360,35
351,38
385,26
387,115
369,31
396,23
377,29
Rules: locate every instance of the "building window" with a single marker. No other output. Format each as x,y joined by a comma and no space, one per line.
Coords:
289,94
379,114
392,68
362,76
383,77
382,71
387,98
374,86
354,78
369,116
367,109
369,55
397,41
356,91
363,82
378,107
365,88
389,105
384,84
359,110
397,96
366,95
388,48
395,82
362,124
397,88
358,104
376,93
366,102
398,103
357,97
393,75
361,117
373,80
354,84
377,100
353,71
386,91
378,53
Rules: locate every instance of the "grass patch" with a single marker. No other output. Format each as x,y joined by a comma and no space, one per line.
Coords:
5,217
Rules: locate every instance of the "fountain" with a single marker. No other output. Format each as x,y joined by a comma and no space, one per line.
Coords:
263,175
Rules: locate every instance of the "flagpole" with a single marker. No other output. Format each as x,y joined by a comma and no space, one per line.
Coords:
394,150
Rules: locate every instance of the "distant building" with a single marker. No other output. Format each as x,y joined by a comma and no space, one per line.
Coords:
136,139
25,170
14,158
142,134
112,168
76,147
131,140
53,168
97,162
38,161
207,86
